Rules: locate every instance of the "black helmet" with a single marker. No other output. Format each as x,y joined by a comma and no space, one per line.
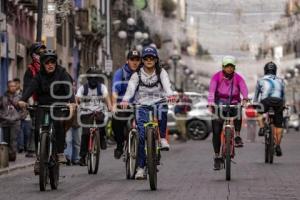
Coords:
48,55
93,70
35,47
270,68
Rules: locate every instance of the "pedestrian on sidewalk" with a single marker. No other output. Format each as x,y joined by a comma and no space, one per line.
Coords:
24,136
182,107
10,116
73,138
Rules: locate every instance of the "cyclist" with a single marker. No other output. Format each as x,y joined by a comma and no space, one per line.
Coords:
41,85
270,93
32,70
89,96
120,83
225,88
149,86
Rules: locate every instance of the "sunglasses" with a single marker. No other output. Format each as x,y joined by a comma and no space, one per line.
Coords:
149,58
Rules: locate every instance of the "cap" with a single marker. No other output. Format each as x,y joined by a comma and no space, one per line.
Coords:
229,60
133,54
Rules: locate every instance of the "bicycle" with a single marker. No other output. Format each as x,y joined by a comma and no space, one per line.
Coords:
227,139
93,153
49,165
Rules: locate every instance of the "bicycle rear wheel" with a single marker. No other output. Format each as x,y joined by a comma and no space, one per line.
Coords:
94,153
151,157
54,175
44,158
132,150
271,147
228,152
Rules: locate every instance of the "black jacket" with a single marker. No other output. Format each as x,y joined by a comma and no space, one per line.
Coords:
41,85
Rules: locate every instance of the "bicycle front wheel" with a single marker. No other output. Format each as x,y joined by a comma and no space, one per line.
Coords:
151,157
44,158
93,153
228,152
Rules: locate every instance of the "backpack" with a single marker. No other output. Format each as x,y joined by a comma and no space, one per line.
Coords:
141,83
86,89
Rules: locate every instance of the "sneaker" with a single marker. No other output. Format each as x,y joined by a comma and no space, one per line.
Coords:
68,163
261,132
61,158
278,150
76,162
217,163
238,141
118,153
140,174
36,168
164,144
82,161
103,144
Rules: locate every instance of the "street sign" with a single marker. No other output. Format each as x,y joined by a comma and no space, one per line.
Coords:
49,25
108,65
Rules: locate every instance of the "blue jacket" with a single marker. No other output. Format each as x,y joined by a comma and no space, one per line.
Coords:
120,81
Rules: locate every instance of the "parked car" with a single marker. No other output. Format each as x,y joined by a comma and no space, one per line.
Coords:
198,119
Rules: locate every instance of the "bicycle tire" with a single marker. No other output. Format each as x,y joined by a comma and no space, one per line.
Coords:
151,157
131,160
228,152
54,175
271,147
94,154
44,156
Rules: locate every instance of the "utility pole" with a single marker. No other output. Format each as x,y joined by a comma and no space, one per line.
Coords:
108,61
39,20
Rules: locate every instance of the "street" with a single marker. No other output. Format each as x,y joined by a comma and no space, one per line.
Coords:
186,173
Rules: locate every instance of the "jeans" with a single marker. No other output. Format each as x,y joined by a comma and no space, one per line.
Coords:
73,139
24,136
142,116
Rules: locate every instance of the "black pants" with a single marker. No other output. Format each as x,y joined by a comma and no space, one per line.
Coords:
88,119
217,126
58,130
120,126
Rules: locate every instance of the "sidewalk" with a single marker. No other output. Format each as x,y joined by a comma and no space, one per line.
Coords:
21,163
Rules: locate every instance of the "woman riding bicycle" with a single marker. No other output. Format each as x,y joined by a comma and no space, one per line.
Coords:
149,86
225,88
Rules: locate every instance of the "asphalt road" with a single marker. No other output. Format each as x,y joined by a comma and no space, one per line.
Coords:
186,173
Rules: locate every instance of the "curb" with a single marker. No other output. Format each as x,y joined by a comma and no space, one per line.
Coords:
15,168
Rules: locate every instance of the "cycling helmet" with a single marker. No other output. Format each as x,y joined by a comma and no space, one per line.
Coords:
228,60
149,51
92,77
48,55
35,47
270,68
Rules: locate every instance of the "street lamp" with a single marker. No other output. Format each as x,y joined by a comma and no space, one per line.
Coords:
175,57
131,32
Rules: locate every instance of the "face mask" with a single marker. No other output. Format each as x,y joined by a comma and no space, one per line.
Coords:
92,82
228,76
36,57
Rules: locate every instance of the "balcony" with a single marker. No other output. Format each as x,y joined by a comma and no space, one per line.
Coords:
29,4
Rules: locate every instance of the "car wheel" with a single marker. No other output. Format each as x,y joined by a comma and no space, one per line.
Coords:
197,130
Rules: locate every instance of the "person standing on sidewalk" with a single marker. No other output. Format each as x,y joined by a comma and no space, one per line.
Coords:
23,138
73,138
10,116
182,107
120,83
